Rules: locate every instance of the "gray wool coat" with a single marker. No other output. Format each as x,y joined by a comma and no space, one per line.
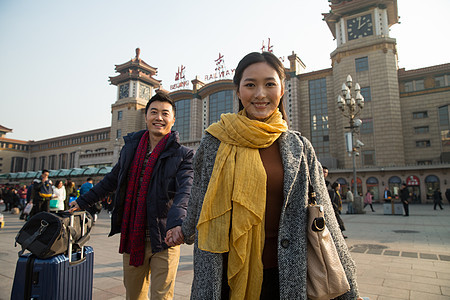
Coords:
298,159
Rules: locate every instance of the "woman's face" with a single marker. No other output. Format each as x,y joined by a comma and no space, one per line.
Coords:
260,91
60,184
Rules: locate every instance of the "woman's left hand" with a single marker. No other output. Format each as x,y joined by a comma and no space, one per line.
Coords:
174,237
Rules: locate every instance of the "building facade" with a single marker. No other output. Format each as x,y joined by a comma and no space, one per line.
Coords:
405,120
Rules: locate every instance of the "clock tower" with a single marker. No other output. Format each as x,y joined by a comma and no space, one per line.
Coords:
135,86
367,53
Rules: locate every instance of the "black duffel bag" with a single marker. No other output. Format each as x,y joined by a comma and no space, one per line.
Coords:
48,234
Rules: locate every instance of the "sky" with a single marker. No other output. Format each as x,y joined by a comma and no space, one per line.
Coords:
56,57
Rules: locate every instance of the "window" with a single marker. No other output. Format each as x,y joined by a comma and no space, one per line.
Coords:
444,125
119,133
422,129
63,160
182,123
414,85
220,103
365,92
367,126
42,162
319,116
424,162
72,159
439,81
119,115
52,162
423,144
420,115
368,158
419,85
362,64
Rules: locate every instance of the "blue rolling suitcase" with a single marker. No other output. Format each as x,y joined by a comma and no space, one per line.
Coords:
61,277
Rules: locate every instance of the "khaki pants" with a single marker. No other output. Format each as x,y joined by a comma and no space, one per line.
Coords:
160,267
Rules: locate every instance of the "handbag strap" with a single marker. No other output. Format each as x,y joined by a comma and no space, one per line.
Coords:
33,237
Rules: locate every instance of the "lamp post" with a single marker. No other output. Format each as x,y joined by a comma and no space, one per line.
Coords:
351,107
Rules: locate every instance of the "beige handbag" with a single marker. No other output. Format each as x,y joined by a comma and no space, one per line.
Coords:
326,277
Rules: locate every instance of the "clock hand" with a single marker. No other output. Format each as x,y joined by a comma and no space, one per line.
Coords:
361,25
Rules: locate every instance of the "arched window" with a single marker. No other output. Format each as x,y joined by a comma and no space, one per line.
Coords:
394,184
344,185
358,185
373,187
431,184
220,103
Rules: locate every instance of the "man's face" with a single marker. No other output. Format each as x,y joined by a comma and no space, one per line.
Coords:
44,176
325,173
160,118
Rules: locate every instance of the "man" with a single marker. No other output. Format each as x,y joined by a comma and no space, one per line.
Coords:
325,175
447,195
387,195
404,196
23,196
85,187
41,193
349,197
152,183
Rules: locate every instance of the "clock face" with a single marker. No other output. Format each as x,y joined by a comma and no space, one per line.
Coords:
123,91
144,92
359,27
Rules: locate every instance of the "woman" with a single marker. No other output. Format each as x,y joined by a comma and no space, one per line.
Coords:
71,191
368,200
59,194
249,197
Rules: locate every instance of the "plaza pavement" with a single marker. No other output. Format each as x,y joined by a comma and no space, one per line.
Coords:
397,257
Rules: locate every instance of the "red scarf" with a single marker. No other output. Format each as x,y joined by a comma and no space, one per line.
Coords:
132,239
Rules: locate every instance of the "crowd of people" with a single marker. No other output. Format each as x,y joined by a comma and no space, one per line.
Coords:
44,195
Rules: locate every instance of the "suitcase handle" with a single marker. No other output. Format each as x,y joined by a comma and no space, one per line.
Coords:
74,263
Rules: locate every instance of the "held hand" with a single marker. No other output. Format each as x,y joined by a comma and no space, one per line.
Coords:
74,207
174,237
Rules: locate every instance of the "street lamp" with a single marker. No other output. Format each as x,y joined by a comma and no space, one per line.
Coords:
351,107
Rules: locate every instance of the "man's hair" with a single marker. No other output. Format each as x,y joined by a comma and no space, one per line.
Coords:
43,171
90,179
325,168
162,97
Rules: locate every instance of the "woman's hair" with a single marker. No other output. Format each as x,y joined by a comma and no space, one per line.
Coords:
335,185
256,57
57,182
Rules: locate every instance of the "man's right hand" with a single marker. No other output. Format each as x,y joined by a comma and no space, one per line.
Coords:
74,207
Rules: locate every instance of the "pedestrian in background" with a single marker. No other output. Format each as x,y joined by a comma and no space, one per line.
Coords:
349,197
71,191
387,195
85,187
404,197
247,211
336,201
23,196
437,198
41,193
447,195
368,200
59,196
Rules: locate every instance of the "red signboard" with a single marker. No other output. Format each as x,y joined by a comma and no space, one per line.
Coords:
412,180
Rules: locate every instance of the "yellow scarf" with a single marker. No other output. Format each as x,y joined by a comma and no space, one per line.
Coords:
236,195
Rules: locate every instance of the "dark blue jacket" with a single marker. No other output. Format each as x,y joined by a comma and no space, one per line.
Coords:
168,193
